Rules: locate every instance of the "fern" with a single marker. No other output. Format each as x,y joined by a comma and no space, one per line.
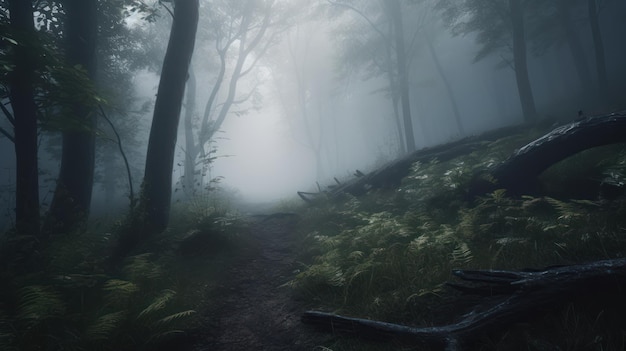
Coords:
118,292
461,254
39,303
157,304
567,211
175,317
104,326
142,269
320,275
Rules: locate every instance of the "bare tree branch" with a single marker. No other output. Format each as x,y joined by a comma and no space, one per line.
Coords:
119,145
7,134
7,114
360,13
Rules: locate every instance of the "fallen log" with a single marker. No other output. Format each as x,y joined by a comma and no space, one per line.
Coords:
515,296
391,174
518,174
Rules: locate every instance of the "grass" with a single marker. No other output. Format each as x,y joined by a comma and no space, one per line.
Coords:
75,301
386,255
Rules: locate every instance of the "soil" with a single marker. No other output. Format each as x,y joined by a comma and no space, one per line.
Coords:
256,310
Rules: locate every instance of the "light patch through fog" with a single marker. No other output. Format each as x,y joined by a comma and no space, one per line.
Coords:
263,163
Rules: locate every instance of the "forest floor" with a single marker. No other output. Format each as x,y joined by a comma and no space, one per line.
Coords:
256,311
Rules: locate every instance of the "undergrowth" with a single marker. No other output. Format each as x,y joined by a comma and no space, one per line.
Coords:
74,300
387,255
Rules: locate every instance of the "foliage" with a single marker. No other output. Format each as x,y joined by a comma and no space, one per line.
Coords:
79,302
75,305
387,255
58,86
491,22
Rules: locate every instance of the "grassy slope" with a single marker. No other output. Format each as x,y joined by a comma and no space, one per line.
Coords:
386,255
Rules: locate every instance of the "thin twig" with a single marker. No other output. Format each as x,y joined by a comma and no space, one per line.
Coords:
119,145
167,8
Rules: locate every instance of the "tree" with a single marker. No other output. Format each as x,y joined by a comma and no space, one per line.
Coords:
241,33
24,119
311,88
385,22
557,22
121,53
190,144
72,197
157,184
395,14
564,9
519,59
500,27
598,46
446,84
370,44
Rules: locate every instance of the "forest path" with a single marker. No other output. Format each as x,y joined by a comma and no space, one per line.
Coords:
257,312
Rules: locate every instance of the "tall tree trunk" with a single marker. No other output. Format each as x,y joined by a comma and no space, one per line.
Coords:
72,196
157,183
396,15
519,57
576,48
598,46
393,86
25,116
189,175
446,84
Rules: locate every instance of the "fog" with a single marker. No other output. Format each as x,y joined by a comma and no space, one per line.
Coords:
314,102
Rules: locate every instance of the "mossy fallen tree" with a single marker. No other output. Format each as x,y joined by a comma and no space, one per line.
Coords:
390,175
518,174
510,297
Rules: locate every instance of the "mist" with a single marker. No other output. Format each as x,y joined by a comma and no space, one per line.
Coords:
309,98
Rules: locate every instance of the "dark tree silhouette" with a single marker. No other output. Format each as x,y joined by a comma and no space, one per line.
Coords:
500,26
157,183
564,9
598,47
24,120
72,196
519,58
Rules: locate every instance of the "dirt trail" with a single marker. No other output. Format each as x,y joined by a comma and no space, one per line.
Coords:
256,313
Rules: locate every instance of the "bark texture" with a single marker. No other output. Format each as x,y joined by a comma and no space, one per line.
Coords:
157,183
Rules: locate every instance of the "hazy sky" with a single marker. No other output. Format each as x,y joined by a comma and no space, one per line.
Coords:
265,162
